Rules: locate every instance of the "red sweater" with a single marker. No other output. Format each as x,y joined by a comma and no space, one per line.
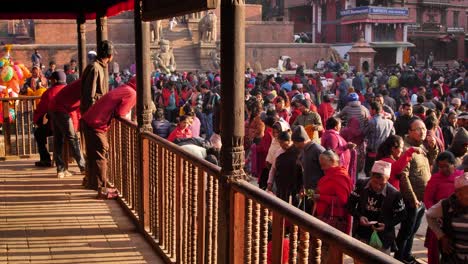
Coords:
325,111
180,133
398,166
335,186
47,97
440,187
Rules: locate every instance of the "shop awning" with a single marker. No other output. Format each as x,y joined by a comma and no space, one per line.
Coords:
391,44
59,9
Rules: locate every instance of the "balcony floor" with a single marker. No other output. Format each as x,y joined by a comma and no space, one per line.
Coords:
48,220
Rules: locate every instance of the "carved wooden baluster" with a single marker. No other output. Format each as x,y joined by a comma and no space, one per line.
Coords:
303,247
166,200
256,234
189,217
160,187
170,177
152,163
214,236
29,127
209,217
293,245
185,208
194,214
248,231
264,236
173,202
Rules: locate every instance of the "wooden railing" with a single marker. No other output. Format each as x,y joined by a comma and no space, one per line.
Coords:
177,202
18,135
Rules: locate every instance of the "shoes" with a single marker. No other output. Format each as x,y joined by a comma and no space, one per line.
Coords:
43,164
107,194
63,174
411,260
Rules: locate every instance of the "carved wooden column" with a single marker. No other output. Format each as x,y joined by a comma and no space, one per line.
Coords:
232,127
101,26
144,114
81,30
101,32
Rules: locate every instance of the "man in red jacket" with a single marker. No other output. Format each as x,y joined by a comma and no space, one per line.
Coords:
96,122
41,117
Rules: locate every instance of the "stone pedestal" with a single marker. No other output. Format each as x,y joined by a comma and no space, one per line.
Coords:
205,53
361,55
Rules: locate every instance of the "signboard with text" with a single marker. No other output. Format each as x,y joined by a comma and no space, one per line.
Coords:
160,9
375,10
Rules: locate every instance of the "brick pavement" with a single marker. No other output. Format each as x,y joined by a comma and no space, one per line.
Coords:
48,220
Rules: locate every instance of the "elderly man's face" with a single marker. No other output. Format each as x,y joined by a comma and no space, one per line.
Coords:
377,184
417,131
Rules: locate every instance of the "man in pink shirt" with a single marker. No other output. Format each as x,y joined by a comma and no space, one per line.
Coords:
96,122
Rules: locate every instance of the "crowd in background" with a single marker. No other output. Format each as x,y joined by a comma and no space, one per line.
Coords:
380,147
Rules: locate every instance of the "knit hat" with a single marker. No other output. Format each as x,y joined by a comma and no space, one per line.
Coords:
299,134
463,115
305,103
456,101
284,136
353,97
59,76
461,181
382,167
461,137
216,141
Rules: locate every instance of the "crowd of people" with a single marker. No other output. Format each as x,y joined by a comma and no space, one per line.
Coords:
364,152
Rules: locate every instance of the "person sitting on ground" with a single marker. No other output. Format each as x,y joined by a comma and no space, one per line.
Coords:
182,130
160,124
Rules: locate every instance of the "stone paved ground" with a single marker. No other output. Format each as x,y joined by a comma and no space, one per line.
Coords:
48,220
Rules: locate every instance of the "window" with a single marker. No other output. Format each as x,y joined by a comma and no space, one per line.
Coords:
419,15
384,32
443,18
456,14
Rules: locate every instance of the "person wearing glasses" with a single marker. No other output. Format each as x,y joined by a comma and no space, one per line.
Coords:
413,182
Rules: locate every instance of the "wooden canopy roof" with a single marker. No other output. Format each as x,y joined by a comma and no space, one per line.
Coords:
63,9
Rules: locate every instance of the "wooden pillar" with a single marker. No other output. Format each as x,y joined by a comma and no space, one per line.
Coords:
144,114
143,63
232,119
81,28
101,26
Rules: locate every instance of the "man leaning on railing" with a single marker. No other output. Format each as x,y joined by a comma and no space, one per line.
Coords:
96,122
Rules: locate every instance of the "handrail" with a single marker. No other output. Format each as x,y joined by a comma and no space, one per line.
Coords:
178,204
208,167
23,97
321,230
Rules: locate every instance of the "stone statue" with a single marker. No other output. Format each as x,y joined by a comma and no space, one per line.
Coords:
165,60
157,31
208,28
215,59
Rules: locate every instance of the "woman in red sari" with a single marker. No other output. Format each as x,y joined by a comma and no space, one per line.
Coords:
440,186
332,193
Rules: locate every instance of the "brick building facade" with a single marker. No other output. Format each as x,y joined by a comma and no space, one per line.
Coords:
390,27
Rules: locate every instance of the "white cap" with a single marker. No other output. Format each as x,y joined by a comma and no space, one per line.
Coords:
461,181
382,167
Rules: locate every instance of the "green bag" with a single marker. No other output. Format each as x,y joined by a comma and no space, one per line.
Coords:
375,241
